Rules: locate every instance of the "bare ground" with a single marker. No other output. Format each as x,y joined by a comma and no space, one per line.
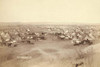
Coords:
47,53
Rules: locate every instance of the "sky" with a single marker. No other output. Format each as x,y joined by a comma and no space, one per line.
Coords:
50,11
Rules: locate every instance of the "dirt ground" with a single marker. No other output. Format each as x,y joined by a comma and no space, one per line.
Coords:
47,53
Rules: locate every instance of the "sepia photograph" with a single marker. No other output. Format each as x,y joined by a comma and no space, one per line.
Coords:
49,33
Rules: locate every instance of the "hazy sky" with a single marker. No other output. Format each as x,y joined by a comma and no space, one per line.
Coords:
50,11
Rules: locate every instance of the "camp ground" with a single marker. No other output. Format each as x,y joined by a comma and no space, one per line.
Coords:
49,45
